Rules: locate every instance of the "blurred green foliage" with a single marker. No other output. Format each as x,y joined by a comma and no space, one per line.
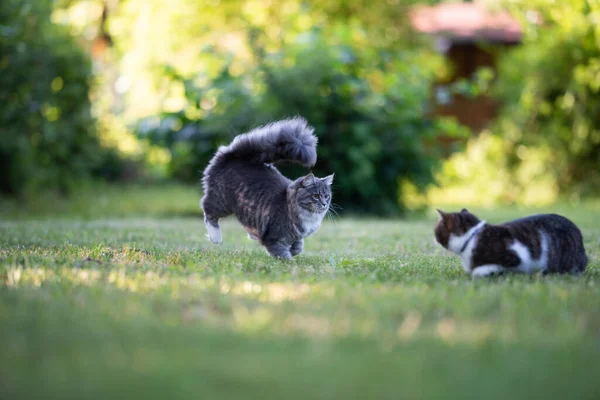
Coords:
545,143
483,175
368,105
48,133
550,87
354,69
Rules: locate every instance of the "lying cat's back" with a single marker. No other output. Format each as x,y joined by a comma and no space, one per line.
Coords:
541,221
549,239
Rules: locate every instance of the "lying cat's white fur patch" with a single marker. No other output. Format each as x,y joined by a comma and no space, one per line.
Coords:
487,270
528,264
214,234
456,243
543,261
522,251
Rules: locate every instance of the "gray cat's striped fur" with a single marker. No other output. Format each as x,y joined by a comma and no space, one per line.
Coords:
241,180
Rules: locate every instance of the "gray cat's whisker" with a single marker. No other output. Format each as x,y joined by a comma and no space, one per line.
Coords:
333,212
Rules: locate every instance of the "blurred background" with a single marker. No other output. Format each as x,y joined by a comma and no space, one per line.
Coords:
415,102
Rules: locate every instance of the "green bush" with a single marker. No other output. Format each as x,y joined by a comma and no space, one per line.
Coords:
48,133
482,175
368,107
551,89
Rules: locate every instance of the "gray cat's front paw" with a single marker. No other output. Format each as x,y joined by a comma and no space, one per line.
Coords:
297,247
279,250
280,256
286,256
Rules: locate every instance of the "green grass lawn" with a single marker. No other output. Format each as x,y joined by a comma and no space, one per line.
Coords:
118,294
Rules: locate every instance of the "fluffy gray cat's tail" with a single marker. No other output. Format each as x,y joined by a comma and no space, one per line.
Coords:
285,140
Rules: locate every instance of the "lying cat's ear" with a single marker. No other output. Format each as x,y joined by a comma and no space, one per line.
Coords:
447,219
328,179
308,180
464,210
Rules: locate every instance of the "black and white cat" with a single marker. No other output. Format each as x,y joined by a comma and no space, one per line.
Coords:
548,243
276,211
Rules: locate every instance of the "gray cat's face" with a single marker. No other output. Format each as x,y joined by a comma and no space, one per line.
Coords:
314,194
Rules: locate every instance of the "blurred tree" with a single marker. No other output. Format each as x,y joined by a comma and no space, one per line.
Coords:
48,133
551,88
148,34
349,67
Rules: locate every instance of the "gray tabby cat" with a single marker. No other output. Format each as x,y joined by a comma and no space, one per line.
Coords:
241,180
547,242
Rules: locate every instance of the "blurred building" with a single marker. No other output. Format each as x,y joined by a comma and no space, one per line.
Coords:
471,36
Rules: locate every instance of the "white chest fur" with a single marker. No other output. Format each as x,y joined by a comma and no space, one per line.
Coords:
467,255
310,223
456,244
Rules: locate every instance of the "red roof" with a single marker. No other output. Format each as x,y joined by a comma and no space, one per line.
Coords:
466,22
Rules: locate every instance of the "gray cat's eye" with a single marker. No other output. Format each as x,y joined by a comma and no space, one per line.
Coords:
316,196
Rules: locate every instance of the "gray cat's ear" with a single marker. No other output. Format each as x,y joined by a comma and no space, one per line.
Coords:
328,179
308,180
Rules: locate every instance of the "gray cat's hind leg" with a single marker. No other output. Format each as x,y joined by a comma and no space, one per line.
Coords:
211,219
297,247
279,250
214,231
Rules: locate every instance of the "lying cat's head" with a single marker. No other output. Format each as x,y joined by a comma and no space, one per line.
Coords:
312,194
456,224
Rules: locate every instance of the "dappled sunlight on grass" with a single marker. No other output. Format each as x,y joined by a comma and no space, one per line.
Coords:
462,312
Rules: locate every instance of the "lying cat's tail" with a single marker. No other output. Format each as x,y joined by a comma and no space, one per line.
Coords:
285,140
